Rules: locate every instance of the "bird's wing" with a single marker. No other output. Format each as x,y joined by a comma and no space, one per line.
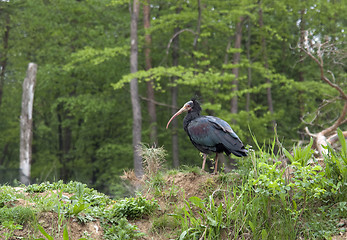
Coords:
224,134
209,133
201,132
221,124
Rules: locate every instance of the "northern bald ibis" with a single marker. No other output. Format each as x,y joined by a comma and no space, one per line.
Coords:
209,134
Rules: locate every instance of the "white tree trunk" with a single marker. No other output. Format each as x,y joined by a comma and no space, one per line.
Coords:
26,121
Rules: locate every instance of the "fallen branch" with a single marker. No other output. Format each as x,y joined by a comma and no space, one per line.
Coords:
327,135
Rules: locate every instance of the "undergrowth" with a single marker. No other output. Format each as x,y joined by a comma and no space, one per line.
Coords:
272,195
71,201
281,196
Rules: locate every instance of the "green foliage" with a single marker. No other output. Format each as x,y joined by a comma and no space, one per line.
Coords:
116,225
275,198
49,237
290,189
133,208
209,222
336,168
308,180
11,227
157,182
164,223
123,230
85,204
82,122
18,214
7,194
82,118
80,190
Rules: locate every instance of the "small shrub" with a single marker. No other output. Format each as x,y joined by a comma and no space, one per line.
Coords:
164,222
122,230
207,224
336,168
16,214
10,227
7,194
133,208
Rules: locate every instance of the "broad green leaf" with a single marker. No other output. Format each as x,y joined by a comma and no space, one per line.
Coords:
342,142
65,233
291,158
44,233
264,234
252,226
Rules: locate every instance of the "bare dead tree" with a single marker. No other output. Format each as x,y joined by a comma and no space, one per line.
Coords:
327,135
26,122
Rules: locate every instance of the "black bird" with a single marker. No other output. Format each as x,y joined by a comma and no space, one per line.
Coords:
209,134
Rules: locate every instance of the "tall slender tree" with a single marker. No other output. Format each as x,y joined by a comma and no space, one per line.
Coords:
148,65
301,59
236,60
134,92
249,69
174,96
3,54
265,60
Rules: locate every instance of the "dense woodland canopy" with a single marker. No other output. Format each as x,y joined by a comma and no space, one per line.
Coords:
241,58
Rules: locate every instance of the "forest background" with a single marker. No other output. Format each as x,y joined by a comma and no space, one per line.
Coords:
245,61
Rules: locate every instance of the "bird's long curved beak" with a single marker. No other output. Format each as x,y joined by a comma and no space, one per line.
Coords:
183,109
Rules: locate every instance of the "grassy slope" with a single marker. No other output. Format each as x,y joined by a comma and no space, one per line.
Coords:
266,198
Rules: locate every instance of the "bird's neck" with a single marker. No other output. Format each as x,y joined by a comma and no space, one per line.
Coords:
190,117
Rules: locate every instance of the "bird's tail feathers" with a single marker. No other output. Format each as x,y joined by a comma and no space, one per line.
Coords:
240,152
234,146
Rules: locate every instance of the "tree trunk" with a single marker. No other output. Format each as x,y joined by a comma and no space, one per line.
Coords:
265,61
235,70
135,101
4,153
148,65
26,122
3,55
174,96
60,140
302,57
198,27
249,84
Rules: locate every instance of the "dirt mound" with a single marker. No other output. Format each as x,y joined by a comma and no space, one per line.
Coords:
177,189
192,184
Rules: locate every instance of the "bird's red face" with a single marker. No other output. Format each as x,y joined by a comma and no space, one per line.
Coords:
186,107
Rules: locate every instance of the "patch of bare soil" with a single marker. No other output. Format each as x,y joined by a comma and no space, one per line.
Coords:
50,222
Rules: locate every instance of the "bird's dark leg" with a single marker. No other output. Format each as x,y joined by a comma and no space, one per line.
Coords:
216,164
203,163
